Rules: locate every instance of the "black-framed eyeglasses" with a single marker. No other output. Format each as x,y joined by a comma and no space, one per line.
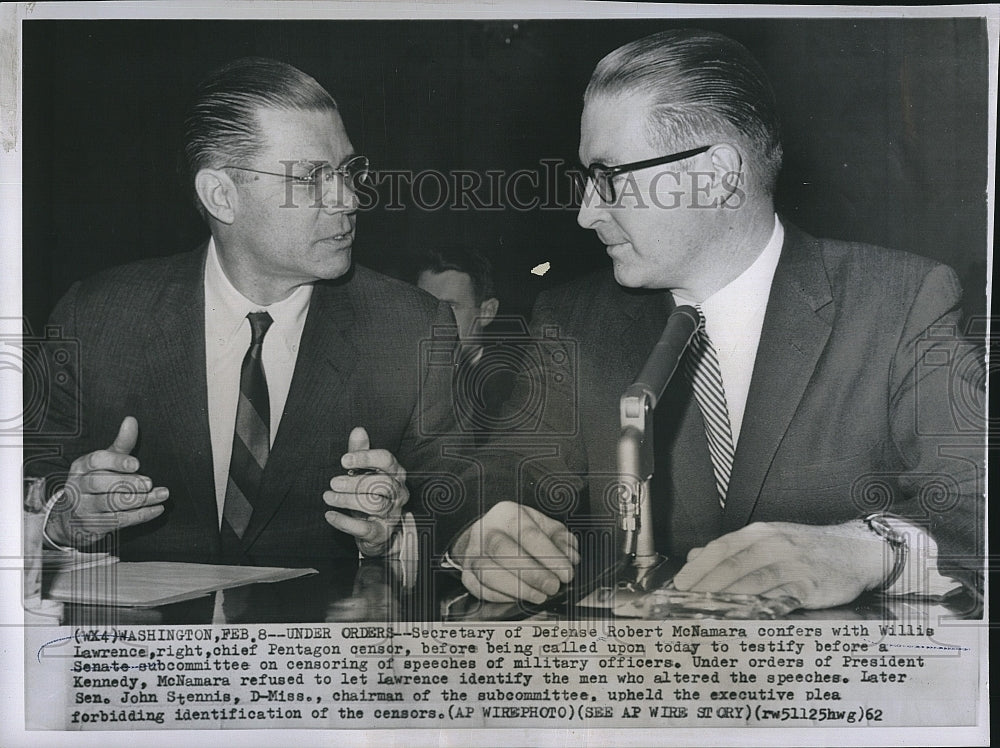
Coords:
356,172
603,176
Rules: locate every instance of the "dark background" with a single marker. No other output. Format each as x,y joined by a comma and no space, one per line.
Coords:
885,126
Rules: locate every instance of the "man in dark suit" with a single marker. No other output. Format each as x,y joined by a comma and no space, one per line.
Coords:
808,445
226,397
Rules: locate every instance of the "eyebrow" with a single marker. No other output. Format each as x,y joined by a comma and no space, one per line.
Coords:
315,163
319,161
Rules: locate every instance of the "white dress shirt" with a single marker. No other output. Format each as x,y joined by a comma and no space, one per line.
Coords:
227,339
734,317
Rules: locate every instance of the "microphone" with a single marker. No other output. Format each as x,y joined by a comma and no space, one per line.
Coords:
666,355
635,441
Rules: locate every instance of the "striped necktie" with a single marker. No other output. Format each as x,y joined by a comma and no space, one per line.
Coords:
702,367
251,438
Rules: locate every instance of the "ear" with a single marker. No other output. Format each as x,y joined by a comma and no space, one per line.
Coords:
217,193
487,311
729,179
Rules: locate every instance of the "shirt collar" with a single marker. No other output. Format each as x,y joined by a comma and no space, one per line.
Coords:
227,307
749,288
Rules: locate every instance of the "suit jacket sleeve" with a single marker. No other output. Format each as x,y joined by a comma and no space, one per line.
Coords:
433,451
56,434
937,423
535,457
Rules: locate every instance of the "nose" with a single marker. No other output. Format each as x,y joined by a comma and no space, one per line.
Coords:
592,208
340,200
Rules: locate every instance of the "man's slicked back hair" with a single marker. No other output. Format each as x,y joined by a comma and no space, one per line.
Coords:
460,259
701,86
220,124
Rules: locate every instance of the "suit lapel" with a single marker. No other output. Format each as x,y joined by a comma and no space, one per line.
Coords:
327,357
796,327
176,351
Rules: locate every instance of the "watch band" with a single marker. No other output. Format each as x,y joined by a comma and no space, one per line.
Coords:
878,524
36,503
53,500
447,562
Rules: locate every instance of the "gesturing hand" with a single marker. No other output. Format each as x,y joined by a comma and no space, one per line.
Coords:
514,552
370,498
104,492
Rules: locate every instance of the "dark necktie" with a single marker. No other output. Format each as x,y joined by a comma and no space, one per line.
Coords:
702,367
251,438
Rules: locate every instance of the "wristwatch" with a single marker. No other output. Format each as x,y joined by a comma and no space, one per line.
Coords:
879,524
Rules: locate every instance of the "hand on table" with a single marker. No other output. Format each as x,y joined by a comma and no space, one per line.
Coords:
104,493
819,565
514,552
369,499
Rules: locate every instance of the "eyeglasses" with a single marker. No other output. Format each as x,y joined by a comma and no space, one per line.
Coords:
602,176
356,173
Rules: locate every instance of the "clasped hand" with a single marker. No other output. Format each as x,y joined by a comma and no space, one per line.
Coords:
369,499
514,552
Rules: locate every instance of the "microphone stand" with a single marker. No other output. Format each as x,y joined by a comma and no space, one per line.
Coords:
636,458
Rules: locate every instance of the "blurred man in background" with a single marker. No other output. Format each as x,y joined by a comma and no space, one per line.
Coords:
487,368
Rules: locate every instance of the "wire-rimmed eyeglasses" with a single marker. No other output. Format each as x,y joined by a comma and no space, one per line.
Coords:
356,173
